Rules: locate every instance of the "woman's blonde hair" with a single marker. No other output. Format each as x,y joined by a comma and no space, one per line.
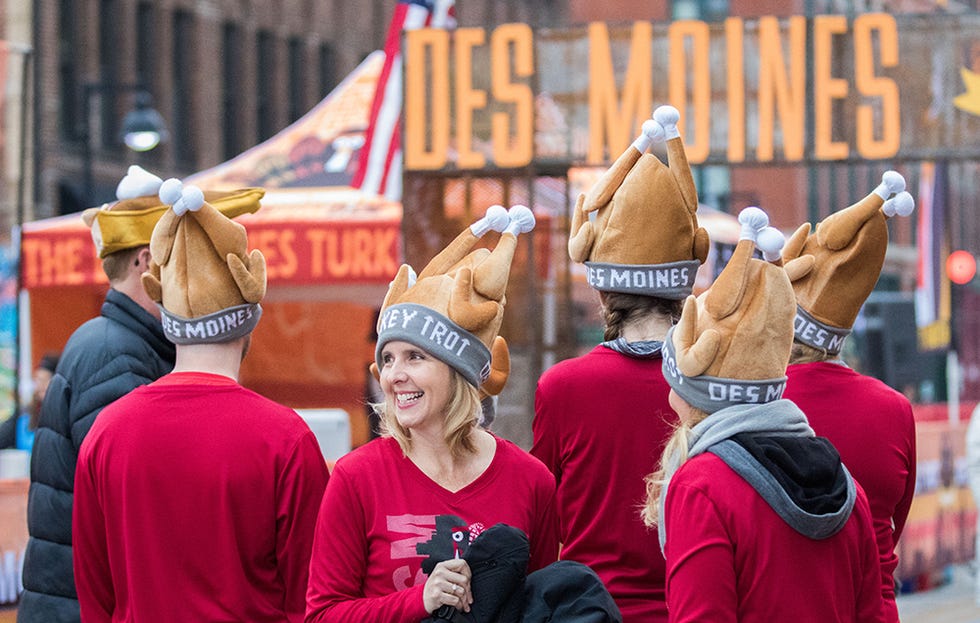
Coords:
678,444
462,415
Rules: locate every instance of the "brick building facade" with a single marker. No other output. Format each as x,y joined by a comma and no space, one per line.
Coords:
224,74
227,74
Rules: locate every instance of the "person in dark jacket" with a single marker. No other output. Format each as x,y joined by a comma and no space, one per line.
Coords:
104,359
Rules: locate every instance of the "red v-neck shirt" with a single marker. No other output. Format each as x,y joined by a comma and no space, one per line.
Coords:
379,505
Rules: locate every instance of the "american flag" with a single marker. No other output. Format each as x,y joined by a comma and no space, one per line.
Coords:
379,167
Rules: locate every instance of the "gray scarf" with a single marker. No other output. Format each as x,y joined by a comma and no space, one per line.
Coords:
778,418
642,349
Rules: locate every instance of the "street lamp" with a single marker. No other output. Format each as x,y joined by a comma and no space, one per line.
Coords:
143,128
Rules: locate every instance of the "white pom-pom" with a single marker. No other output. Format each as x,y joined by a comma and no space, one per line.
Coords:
653,129
891,182
753,221
521,220
138,182
496,219
668,116
770,241
170,191
652,132
192,197
894,180
901,204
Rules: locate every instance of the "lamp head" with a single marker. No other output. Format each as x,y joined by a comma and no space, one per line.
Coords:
143,127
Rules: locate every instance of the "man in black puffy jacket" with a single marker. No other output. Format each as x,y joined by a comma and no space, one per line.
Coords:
106,358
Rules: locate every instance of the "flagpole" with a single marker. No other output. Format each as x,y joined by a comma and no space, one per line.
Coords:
954,377
21,346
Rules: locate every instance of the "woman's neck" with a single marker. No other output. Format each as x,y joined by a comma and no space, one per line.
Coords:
646,328
433,457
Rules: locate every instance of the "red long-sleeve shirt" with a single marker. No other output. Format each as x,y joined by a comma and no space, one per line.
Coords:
873,429
195,500
600,424
731,558
379,505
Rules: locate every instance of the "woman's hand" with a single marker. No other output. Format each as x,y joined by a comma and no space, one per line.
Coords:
449,585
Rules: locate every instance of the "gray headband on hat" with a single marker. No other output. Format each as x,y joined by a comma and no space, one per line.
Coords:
437,335
816,334
674,280
221,326
710,393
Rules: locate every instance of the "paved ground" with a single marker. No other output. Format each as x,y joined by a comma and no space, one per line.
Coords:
953,602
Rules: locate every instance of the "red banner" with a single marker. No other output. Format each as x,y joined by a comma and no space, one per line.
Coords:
324,254
296,253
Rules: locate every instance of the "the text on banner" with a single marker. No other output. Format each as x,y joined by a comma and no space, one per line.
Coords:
297,253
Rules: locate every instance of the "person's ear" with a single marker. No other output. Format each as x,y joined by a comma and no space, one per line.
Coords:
143,258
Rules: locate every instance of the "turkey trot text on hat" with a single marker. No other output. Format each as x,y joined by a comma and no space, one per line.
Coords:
453,308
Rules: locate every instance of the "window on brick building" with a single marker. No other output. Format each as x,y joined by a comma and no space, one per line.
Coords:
297,102
714,186
232,74
68,71
707,10
182,90
327,69
110,100
146,43
265,70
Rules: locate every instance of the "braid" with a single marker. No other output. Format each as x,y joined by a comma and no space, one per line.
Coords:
618,309
613,320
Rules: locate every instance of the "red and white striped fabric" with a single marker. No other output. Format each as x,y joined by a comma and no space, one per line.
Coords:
380,164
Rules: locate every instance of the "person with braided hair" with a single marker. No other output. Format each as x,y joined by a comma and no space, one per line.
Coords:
608,409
